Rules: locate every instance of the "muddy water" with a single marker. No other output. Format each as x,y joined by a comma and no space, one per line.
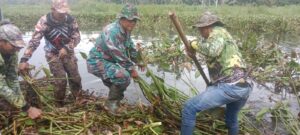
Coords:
259,98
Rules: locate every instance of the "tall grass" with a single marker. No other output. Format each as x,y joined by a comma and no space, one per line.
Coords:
93,15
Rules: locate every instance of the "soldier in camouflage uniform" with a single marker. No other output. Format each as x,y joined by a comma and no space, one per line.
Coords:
114,56
62,35
11,98
227,73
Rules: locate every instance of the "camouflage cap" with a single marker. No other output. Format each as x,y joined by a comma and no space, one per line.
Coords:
12,34
207,19
61,6
129,12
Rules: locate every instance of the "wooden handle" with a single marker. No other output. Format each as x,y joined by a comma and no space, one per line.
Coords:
186,44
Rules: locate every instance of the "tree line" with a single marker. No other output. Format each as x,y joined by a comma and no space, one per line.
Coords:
189,2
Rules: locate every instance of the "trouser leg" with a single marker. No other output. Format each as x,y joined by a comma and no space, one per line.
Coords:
74,79
59,74
31,96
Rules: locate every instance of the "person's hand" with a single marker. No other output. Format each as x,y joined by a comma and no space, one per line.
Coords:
138,46
134,73
194,45
34,113
190,52
191,49
62,53
23,67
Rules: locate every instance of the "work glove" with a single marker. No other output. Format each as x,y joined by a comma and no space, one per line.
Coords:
191,50
194,44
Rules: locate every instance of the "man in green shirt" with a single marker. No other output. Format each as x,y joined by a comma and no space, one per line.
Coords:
227,73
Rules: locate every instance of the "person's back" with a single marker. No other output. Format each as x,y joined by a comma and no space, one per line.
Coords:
224,53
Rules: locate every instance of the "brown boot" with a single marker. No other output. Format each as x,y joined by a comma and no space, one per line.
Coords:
81,97
112,106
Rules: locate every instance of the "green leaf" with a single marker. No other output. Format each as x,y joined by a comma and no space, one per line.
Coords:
158,129
29,122
197,74
50,87
47,72
23,114
262,113
83,55
36,73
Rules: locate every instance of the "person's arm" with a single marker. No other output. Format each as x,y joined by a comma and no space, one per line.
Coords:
75,37
34,43
132,52
212,47
10,89
9,85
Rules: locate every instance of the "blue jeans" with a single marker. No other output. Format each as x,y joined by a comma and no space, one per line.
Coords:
233,96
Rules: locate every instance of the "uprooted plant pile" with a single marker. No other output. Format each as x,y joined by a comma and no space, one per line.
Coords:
162,116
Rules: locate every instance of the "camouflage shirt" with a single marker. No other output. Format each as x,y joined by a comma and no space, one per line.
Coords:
114,45
9,83
40,31
224,60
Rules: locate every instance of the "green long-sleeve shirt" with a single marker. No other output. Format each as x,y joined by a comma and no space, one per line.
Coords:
9,83
222,53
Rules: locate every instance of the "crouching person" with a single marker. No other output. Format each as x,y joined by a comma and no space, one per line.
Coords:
113,57
11,97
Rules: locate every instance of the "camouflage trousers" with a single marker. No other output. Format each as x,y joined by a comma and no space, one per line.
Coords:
113,76
64,70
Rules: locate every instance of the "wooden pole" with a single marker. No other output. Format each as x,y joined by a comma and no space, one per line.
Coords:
1,15
187,46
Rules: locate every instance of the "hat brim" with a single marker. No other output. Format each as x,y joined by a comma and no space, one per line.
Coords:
129,18
18,43
201,25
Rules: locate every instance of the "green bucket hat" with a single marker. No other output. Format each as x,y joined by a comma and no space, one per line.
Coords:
207,19
12,34
129,12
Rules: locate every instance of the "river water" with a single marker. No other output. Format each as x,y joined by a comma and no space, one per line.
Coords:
259,98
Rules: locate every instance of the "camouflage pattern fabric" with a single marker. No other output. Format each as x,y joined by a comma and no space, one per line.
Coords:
40,29
224,60
113,56
59,68
207,19
12,34
129,12
9,83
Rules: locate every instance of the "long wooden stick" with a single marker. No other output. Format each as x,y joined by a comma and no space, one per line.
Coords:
186,44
